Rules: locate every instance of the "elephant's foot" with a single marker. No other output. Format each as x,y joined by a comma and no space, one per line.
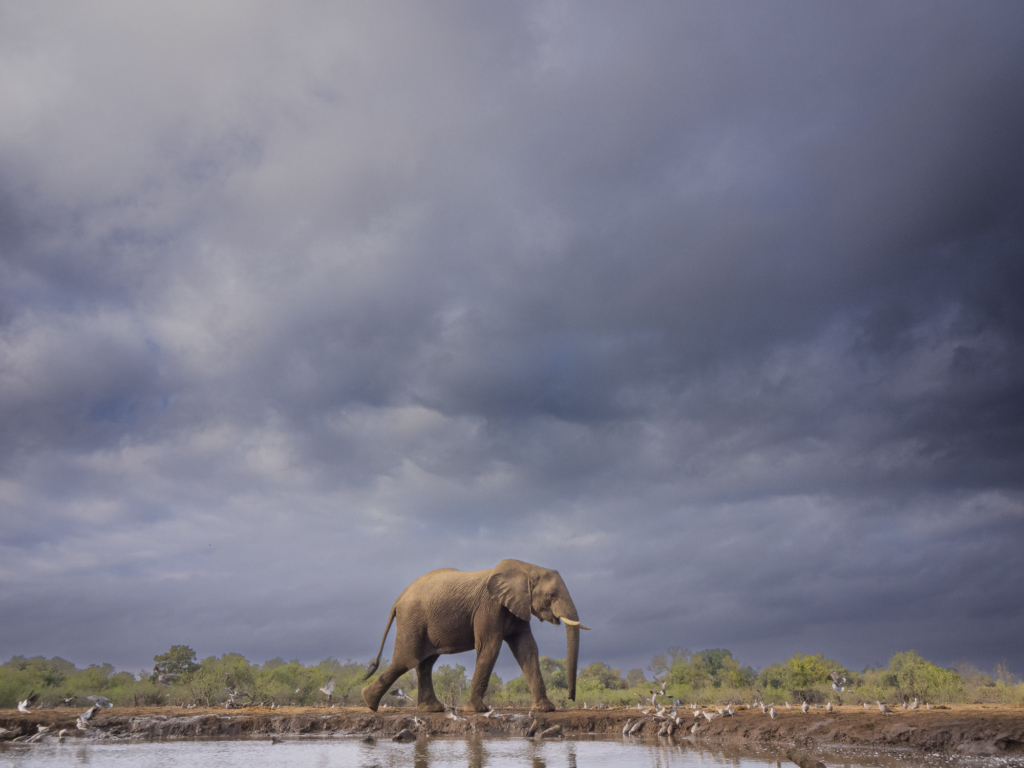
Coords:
477,705
544,705
430,706
368,698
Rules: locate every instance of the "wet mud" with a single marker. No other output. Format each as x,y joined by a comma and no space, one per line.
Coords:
978,730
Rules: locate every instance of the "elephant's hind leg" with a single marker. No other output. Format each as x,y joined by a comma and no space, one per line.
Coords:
374,692
426,698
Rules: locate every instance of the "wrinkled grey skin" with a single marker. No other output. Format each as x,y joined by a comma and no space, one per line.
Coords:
450,611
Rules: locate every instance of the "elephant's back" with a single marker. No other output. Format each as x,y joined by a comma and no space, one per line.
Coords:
443,590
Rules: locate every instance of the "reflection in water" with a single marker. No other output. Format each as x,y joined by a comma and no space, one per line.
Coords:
432,752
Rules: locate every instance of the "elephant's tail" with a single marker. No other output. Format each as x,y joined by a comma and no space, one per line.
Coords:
376,662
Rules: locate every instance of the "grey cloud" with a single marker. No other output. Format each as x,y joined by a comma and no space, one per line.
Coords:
715,311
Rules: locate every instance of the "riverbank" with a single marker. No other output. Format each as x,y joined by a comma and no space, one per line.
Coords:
978,730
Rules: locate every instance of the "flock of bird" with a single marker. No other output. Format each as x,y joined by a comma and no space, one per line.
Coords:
668,718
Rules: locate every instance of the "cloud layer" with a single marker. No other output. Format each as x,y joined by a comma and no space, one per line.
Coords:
714,309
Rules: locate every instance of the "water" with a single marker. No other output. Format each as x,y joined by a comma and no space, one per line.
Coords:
427,753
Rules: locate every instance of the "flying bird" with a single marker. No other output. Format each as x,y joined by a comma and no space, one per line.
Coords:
100,701
29,700
329,688
401,694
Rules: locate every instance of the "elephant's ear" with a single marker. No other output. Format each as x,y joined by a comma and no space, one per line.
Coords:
509,584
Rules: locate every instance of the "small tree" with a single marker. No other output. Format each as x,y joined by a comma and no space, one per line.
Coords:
180,660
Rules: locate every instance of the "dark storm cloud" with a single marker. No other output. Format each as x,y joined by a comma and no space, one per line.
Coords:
714,309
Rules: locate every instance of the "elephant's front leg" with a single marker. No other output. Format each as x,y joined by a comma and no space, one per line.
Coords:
524,648
487,650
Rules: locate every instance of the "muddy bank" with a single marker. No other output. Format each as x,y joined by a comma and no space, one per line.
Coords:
966,730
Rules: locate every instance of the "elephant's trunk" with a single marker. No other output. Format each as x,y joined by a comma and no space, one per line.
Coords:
572,655
571,620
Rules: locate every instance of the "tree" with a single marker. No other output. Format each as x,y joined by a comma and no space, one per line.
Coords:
180,660
635,677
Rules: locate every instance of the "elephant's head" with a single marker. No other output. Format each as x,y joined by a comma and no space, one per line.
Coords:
529,589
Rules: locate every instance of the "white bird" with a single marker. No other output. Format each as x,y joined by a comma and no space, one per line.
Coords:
637,726
787,705
23,706
771,712
89,712
709,717
401,694
585,705
837,688
625,728
60,735
916,703
904,705
694,728
883,708
804,707
866,705
101,701
453,714
828,707
328,689
927,705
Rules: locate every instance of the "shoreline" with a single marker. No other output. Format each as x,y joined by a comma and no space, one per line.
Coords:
956,730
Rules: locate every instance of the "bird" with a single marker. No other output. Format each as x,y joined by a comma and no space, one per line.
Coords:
89,712
771,712
69,701
101,701
866,705
916,703
694,728
663,688
453,714
709,717
60,735
828,707
43,728
637,727
927,705
401,694
904,705
23,706
804,707
787,705
884,709
329,688
585,705
164,677
625,728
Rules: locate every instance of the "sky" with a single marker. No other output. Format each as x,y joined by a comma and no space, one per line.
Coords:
714,308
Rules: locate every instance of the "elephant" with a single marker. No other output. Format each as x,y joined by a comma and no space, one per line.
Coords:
452,611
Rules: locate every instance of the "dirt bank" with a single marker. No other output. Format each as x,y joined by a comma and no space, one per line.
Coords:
980,730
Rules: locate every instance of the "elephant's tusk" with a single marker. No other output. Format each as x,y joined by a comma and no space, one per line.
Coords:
572,623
